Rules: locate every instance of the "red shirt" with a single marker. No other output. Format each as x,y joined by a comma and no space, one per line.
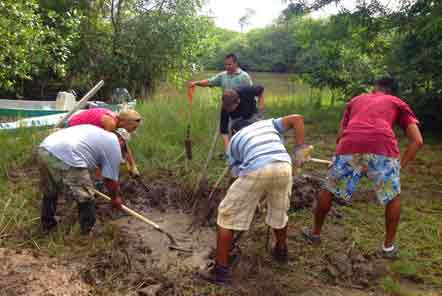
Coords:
367,124
91,116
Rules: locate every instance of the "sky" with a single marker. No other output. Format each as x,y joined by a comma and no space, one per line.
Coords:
226,13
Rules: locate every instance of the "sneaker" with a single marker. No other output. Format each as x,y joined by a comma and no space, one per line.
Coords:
216,274
391,255
311,238
280,255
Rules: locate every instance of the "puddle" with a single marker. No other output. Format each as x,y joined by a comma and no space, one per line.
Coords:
156,245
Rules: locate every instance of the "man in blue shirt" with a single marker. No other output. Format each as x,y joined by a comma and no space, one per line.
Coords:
257,156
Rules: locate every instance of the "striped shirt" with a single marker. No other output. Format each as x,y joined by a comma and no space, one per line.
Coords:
257,145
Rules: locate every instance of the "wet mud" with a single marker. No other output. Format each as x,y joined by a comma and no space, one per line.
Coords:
140,262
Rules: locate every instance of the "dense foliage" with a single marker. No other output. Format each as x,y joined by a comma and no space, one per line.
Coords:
35,42
136,43
345,52
128,43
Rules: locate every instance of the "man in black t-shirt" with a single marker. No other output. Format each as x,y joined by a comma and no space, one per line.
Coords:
240,104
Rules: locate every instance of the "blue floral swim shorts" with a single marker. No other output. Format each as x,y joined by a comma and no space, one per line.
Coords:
347,170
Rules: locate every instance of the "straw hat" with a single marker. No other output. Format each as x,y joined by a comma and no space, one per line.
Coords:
129,115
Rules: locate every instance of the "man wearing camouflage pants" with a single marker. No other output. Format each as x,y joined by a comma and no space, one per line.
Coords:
65,160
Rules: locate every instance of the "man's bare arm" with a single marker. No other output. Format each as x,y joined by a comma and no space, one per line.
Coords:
261,102
225,141
415,142
295,122
202,83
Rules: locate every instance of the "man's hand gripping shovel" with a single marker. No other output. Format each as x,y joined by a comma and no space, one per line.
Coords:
173,243
301,154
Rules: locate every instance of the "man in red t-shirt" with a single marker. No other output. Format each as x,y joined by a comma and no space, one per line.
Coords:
367,146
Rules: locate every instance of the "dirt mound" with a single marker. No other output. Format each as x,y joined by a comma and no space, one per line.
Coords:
304,191
120,269
354,269
25,273
253,276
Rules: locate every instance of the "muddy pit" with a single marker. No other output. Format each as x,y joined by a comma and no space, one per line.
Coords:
146,251
140,262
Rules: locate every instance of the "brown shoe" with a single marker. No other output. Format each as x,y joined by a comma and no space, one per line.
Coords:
216,274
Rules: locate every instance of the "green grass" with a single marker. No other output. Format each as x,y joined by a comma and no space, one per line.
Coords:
159,144
17,202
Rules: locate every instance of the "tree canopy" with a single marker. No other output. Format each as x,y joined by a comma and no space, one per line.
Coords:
345,52
137,43
129,43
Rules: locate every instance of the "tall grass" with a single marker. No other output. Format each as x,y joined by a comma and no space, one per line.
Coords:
17,189
159,141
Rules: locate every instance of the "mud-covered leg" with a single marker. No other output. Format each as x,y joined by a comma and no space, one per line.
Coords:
48,210
49,192
86,214
78,184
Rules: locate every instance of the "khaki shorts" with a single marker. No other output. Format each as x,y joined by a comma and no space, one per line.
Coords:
56,177
274,182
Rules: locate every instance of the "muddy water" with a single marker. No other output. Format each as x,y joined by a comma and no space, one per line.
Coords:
163,204
156,245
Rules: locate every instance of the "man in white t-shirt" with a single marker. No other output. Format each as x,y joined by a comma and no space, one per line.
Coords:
66,158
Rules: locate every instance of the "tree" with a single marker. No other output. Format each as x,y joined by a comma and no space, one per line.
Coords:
36,42
151,40
244,21
128,43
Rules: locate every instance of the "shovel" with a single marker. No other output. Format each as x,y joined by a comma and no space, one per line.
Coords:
200,219
173,244
202,182
142,183
188,140
306,155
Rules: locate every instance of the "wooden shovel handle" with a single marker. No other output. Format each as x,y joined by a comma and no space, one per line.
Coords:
130,212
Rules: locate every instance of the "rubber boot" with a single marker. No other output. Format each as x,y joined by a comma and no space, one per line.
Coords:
47,214
86,213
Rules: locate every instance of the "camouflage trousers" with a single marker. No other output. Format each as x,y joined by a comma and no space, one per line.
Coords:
57,178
